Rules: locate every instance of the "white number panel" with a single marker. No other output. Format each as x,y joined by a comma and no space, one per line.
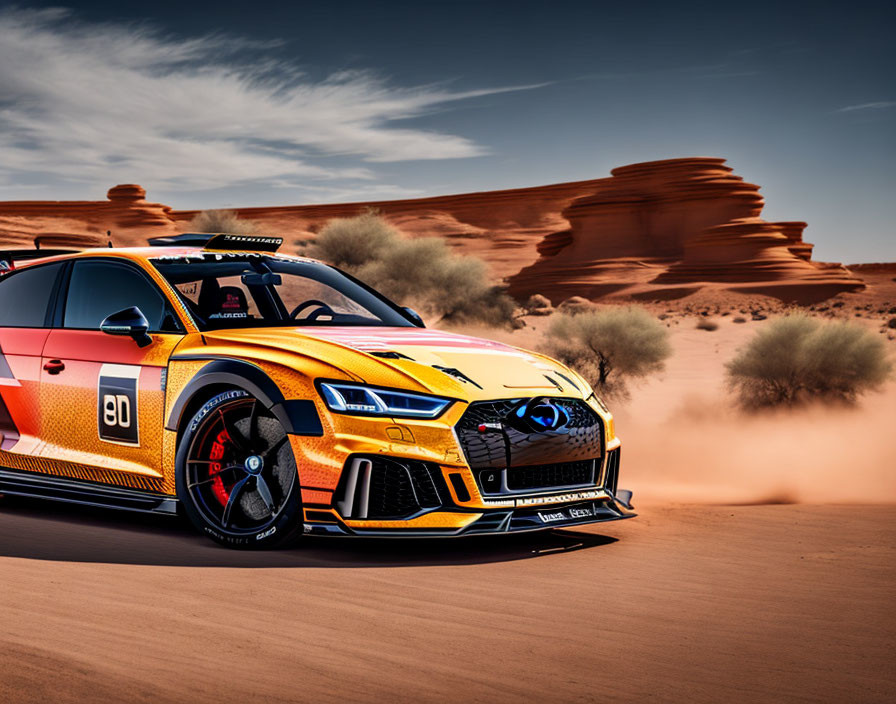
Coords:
117,399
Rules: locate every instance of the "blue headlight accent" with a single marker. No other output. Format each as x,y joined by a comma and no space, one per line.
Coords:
365,400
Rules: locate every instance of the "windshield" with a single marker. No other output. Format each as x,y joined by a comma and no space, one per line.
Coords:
251,290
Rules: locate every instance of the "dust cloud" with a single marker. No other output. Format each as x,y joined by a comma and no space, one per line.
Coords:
684,441
705,451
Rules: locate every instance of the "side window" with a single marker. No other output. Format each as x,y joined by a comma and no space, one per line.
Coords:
25,296
99,289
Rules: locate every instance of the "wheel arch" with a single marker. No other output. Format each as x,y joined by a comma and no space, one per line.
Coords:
298,416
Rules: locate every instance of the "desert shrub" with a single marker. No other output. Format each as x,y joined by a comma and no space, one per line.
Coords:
797,359
708,325
349,243
609,346
421,272
738,319
538,305
575,305
221,221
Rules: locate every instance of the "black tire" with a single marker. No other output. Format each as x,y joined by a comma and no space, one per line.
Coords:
236,475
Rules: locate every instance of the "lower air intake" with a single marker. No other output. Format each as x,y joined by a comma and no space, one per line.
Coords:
611,478
380,488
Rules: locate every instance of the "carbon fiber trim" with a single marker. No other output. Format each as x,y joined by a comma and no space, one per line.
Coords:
43,486
71,470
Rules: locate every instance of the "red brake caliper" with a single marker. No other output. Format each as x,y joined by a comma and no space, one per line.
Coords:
217,453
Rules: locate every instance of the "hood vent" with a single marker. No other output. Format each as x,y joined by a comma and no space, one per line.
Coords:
392,355
456,374
555,383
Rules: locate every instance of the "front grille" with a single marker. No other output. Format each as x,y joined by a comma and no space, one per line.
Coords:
386,488
502,446
548,476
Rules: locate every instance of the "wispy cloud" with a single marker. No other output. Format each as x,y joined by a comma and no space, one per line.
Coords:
880,105
103,103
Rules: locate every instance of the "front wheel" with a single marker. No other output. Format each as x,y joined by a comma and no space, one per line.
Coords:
236,474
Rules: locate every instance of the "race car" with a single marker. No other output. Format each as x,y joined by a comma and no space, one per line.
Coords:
268,397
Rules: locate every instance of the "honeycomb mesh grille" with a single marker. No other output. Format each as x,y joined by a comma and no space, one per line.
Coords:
551,475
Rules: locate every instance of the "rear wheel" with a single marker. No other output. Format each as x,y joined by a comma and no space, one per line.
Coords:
236,474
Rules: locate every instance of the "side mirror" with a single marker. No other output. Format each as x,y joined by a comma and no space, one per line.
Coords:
414,316
130,322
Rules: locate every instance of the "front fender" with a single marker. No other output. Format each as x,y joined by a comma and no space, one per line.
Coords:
297,416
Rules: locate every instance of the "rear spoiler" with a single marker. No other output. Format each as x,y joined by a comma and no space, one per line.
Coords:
9,258
220,241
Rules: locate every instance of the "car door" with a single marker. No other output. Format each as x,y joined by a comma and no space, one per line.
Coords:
103,396
25,298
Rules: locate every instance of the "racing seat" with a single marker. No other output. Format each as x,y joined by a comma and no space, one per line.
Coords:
216,301
232,302
209,294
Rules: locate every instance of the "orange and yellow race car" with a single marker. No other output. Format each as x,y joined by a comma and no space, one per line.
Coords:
269,396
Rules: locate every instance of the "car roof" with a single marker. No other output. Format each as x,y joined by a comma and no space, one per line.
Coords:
144,255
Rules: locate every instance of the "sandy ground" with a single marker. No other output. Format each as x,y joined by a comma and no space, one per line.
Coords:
684,603
762,567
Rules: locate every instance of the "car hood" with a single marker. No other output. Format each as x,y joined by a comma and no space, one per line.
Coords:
433,361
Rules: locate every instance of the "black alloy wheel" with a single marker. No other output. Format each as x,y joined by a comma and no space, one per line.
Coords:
236,474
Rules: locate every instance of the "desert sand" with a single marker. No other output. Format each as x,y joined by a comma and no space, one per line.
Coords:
761,567
684,603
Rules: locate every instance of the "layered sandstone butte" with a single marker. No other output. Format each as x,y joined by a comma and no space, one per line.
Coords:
505,228
652,230
125,212
666,228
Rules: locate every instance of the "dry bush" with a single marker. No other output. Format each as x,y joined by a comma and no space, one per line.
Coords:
538,305
575,305
796,359
221,221
421,272
708,325
608,347
349,243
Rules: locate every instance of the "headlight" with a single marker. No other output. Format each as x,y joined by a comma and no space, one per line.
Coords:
368,401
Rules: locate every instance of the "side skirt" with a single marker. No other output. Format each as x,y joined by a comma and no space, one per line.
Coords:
16,483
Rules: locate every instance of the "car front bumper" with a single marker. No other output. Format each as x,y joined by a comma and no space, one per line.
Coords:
454,523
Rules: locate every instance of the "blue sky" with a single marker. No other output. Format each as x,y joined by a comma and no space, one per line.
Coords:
225,104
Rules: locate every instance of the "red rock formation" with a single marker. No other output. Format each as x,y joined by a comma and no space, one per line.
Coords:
126,193
757,256
656,229
793,231
502,227
131,219
664,228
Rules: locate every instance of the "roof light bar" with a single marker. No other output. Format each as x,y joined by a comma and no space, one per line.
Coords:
220,242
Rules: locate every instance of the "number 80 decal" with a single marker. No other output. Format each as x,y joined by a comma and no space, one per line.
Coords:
117,401
117,410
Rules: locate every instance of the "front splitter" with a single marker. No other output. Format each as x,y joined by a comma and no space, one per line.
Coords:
518,520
